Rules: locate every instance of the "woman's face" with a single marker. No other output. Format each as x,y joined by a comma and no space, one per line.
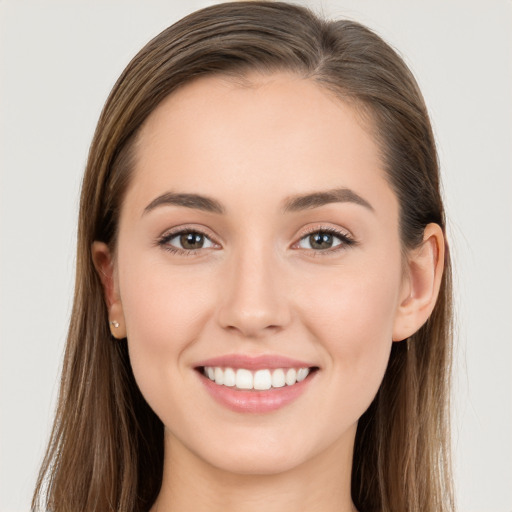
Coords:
258,235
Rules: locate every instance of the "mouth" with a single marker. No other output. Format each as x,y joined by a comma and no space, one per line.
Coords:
263,379
255,384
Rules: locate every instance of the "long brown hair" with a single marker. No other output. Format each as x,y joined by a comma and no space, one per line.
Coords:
106,447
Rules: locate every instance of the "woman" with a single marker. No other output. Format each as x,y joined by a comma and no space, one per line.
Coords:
262,306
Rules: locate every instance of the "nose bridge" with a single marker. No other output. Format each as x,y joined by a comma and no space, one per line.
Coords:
253,301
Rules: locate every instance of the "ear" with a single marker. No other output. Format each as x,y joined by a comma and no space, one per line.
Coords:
104,264
421,283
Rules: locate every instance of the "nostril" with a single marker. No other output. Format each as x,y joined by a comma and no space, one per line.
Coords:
252,329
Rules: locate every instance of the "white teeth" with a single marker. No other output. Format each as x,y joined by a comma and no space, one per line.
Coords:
219,376
260,380
229,377
244,379
278,379
291,377
301,374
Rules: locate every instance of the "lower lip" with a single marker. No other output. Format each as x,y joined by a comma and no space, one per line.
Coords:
258,402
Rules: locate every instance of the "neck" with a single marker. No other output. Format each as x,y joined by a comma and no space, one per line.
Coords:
320,484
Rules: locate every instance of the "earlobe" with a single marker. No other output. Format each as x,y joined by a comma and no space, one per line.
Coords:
104,264
425,271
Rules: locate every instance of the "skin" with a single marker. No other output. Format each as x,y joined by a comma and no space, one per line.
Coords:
259,288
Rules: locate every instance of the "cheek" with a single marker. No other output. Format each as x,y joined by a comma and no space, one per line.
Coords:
164,312
353,320
356,305
161,302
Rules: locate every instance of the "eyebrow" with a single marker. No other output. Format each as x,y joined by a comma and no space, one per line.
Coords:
194,201
294,204
317,199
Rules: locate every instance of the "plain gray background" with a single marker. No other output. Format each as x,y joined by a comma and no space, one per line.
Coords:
58,61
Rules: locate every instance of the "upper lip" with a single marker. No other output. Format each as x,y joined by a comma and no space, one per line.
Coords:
267,361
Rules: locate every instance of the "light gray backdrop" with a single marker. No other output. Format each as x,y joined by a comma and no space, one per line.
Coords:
58,61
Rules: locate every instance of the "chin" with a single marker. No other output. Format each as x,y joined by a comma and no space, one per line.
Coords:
250,462
267,451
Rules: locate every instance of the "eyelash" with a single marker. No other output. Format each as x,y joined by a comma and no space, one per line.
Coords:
345,239
164,240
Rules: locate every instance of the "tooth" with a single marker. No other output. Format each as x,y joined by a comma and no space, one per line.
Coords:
262,380
291,377
219,376
278,379
243,379
229,377
302,374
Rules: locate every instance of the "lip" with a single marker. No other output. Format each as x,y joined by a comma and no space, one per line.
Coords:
251,401
267,361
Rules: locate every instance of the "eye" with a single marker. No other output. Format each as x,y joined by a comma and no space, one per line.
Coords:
323,240
188,240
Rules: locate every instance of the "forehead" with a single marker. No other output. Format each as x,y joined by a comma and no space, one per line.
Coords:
268,135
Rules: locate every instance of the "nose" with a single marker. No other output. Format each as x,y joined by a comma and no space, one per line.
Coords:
253,301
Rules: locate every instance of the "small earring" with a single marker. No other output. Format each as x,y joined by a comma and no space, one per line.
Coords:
114,324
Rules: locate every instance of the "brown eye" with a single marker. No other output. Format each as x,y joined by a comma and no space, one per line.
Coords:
186,241
321,240
191,241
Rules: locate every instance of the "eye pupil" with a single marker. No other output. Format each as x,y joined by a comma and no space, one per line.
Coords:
321,240
192,241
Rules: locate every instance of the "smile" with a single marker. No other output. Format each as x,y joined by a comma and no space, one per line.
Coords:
255,384
259,380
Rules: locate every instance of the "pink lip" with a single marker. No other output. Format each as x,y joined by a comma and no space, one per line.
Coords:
254,362
258,402
252,401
